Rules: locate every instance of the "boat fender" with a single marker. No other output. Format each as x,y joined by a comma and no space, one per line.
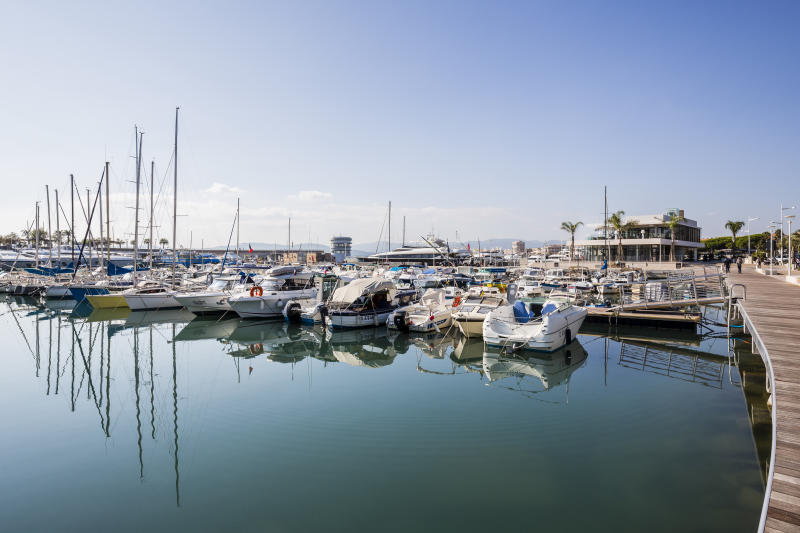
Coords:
210,278
256,291
567,336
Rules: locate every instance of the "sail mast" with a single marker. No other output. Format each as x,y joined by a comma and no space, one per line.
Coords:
152,183
108,221
136,217
175,200
49,228
58,230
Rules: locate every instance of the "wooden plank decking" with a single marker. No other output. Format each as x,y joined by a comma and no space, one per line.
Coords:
772,316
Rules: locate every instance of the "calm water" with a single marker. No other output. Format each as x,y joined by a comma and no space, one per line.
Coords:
156,422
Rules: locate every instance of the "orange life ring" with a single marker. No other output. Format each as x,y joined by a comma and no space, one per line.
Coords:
256,291
456,301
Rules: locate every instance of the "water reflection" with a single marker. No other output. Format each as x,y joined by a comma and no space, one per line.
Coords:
123,367
549,370
370,347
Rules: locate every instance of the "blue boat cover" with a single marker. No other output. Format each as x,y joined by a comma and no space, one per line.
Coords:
521,313
48,271
114,270
429,271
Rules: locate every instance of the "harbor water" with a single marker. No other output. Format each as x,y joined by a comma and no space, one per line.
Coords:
160,421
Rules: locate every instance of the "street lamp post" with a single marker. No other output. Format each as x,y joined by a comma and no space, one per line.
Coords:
791,255
749,220
772,226
781,219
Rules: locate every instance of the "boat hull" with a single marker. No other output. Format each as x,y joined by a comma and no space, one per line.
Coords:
269,305
471,328
60,292
206,303
106,301
351,320
143,302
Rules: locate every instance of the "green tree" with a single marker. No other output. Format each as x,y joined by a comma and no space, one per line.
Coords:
163,242
620,227
734,226
673,223
571,228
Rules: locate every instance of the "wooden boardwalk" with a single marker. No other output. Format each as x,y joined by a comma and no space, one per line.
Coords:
772,316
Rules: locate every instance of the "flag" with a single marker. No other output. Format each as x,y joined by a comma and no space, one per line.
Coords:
251,248
468,247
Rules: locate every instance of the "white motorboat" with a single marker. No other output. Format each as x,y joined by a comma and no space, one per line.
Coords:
364,302
214,299
432,312
515,326
280,285
470,313
150,296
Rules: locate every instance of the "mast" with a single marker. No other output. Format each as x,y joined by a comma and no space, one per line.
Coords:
389,233
404,230
605,222
89,229
175,201
152,183
58,230
108,220
72,216
49,228
237,228
100,203
36,229
136,209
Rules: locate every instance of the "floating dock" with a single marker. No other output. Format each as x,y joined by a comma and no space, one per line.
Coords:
770,308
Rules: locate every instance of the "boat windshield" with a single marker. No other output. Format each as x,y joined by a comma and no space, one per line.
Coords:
219,284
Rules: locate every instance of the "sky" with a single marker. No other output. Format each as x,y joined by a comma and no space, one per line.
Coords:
475,119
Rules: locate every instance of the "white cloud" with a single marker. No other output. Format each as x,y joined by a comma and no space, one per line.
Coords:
219,188
310,196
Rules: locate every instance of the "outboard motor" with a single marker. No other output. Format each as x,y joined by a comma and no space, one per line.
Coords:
400,321
293,311
511,293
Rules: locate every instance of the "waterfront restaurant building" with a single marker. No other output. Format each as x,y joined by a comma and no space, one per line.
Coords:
648,240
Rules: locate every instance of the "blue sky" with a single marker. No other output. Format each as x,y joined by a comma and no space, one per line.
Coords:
490,119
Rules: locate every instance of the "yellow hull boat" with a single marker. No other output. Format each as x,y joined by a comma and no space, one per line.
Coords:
107,301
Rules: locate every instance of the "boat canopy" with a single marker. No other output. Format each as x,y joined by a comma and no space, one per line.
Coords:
429,271
360,287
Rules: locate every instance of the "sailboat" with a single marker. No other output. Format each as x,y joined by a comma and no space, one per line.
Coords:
157,295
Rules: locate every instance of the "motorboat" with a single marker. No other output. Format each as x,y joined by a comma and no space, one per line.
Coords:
150,295
364,302
515,326
310,310
269,298
432,312
214,298
470,313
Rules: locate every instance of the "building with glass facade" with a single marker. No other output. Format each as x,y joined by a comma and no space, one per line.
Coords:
648,239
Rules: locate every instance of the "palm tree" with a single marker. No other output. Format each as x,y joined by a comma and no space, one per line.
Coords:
571,228
734,226
620,227
163,242
672,224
